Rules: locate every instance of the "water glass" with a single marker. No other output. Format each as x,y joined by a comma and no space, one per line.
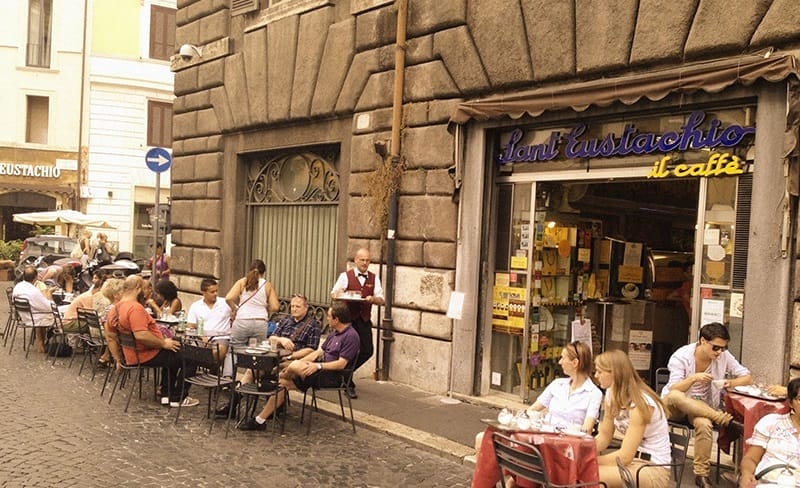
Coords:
252,342
504,417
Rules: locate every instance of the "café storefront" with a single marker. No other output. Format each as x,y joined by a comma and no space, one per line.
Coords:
629,225
33,180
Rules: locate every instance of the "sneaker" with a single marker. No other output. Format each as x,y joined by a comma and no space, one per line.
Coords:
165,400
187,402
251,424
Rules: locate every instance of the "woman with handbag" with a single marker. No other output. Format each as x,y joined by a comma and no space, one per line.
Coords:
252,299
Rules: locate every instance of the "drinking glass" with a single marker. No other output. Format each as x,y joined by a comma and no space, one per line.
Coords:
505,416
252,342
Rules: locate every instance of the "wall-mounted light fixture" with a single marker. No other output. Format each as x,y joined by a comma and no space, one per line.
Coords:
188,51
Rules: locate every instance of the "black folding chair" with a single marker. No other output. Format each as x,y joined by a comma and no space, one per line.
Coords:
679,436
525,461
341,388
264,370
57,335
209,373
23,308
92,338
128,341
12,315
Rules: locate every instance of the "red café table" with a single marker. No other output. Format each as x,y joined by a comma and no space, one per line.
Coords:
568,459
748,410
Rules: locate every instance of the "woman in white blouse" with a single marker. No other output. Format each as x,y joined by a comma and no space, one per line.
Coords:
775,441
636,411
574,400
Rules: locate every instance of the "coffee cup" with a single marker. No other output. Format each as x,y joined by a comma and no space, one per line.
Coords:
718,383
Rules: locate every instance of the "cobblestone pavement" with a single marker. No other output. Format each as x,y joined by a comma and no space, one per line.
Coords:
58,431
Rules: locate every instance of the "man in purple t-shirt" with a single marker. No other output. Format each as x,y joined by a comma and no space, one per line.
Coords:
317,368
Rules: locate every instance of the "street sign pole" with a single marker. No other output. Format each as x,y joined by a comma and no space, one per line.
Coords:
157,210
157,160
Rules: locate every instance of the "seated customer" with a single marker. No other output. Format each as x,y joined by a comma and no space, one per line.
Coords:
775,440
317,368
574,399
170,303
129,316
633,409
40,302
697,376
84,300
299,332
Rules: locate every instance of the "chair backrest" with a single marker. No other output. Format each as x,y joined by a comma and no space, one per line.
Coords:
89,321
255,362
520,458
23,308
625,475
679,436
10,296
662,377
58,324
128,341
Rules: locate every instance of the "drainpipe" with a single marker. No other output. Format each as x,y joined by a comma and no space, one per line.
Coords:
81,112
397,116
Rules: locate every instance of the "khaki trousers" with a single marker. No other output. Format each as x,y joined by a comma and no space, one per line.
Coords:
703,417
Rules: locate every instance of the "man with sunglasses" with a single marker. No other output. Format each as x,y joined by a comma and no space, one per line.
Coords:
698,373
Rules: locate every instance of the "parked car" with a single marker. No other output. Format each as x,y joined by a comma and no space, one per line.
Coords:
50,246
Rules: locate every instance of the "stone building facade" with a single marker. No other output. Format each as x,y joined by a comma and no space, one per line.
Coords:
299,74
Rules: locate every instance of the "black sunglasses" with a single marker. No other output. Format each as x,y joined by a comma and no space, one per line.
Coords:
717,348
299,295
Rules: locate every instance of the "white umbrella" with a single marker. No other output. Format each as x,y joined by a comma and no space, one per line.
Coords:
59,217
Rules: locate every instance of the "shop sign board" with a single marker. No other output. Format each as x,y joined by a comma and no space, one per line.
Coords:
572,145
29,170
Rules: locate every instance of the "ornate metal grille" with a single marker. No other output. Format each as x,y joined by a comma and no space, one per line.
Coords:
299,177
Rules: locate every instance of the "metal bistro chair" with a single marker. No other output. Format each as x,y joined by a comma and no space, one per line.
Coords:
92,339
128,341
679,436
264,372
23,309
12,315
209,373
341,389
525,461
59,337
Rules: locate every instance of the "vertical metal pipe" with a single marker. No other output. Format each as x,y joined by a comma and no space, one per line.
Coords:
391,231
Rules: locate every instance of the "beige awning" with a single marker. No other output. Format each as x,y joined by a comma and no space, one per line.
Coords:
710,76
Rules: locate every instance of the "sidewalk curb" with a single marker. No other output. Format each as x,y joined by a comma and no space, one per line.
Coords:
424,440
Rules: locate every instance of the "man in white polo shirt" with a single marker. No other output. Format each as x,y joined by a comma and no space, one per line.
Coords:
215,314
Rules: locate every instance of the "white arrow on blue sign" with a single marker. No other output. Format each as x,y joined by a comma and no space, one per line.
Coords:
158,159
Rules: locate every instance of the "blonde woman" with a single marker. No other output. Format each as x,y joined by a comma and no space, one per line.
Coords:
636,411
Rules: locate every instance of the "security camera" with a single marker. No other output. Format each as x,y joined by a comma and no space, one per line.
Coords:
188,51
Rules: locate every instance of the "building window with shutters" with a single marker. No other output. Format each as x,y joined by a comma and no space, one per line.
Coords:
37,119
162,32
159,124
39,27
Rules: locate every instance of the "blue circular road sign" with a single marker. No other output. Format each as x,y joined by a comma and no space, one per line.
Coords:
158,159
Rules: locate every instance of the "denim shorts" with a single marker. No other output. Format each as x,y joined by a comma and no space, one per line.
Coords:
243,329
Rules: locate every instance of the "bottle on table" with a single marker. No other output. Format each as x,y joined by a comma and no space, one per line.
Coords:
200,326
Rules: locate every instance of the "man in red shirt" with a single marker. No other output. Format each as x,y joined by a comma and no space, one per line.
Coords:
152,349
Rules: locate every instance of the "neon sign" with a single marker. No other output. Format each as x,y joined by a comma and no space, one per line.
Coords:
690,136
724,164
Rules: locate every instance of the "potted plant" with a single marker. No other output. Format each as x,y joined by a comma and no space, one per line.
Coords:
9,254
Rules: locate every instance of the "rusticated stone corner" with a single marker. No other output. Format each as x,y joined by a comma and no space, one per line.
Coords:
499,35
779,25
460,56
603,34
550,25
719,29
660,37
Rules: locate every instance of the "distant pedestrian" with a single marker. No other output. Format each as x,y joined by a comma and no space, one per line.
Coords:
162,263
361,289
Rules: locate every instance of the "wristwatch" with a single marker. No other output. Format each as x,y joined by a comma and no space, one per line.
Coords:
319,366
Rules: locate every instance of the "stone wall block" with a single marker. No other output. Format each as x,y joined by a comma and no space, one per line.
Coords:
429,112
458,52
550,25
184,125
310,46
191,146
212,239
439,182
378,92
208,214
425,16
196,101
379,120
214,143
428,81
362,153
436,325
214,26
236,84
439,255
603,34
188,33
418,50
408,253
281,57
206,262
211,74
661,37
185,81
428,147
423,289
779,26
360,181
214,189
222,110
182,168
255,67
716,31
181,214
406,320
208,166
499,35
362,67
412,182
427,218
336,59
207,123
191,238
376,28
415,360
181,259
364,220
207,7
191,190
